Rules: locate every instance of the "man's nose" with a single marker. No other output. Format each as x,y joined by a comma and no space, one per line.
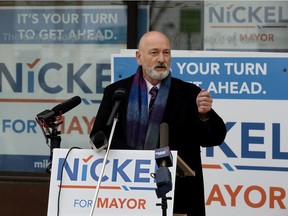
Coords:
161,58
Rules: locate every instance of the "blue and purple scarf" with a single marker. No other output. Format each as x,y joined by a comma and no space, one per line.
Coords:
142,133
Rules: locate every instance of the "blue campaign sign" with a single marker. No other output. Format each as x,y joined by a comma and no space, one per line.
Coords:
24,163
79,25
243,77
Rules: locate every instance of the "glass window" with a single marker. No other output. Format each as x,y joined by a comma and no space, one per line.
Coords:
53,51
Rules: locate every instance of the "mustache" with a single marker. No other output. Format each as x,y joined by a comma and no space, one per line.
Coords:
161,65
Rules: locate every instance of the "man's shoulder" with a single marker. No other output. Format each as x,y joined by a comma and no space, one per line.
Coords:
122,83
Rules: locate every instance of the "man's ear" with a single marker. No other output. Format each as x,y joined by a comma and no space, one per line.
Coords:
138,57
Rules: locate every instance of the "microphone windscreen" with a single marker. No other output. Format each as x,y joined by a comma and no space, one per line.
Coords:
66,106
98,141
120,94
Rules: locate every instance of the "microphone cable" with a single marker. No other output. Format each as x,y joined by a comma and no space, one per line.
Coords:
60,184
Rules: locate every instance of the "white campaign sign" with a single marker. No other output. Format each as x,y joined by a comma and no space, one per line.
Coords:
248,173
127,187
246,25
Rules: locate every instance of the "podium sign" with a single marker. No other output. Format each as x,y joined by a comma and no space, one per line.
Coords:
127,187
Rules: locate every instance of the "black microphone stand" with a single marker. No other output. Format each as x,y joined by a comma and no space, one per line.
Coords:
164,185
50,131
55,140
164,204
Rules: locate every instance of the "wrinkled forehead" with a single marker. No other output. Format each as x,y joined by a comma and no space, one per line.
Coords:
155,41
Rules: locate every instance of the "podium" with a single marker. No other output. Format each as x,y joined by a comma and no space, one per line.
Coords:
127,187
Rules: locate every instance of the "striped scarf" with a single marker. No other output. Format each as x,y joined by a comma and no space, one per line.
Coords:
141,133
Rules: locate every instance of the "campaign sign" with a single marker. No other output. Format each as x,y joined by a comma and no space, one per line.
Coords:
247,174
50,54
127,187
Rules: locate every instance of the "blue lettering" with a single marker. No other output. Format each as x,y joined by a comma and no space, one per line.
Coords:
84,173
253,14
16,84
31,126
6,123
100,78
77,78
139,171
120,170
30,81
237,19
241,14
93,170
41,78
19,126
83,203
219,16
53,69
276,152
281,16
247,140
72,174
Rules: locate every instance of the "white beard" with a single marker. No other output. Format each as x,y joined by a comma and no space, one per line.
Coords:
156,75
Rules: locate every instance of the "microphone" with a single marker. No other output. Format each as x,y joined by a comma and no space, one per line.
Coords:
164,132
98,141
163,154
49,116
119,96
164,159
66,106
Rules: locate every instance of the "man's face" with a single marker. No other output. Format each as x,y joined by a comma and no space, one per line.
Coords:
157,64
155,58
